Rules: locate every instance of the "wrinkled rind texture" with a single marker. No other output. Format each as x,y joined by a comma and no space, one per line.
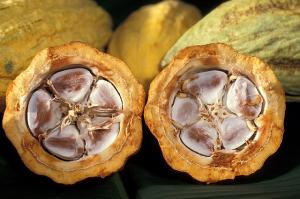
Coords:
33,155
148,33
28,26
269,123
266,29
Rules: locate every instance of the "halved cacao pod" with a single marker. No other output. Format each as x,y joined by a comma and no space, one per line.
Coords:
216,114
74,113
267,29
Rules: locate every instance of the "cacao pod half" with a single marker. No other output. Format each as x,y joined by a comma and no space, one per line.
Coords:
147,34
29,26
74,113
268,29
216,114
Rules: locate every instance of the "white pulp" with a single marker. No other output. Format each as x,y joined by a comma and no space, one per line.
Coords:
65,143
243,99
200,137
206,116
72,84
105,95
80,119
40,122
234,132
208,86
185,110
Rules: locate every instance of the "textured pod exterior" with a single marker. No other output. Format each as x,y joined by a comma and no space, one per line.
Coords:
222,163
62,58
146,35
29,26
267,29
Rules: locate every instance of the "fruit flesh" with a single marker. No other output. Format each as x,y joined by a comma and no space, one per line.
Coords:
215,112
75,114
185,110
200,137
243,99
38,121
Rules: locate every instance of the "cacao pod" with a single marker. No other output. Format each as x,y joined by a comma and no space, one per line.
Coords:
268,29
146,35
216,113
74,113
29,26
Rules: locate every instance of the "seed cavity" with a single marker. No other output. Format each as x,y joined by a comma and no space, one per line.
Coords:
200,137
208,86
104,94
72,84
77,116
185,110
43,113
244,99
98,140
215,110
234,132
65,143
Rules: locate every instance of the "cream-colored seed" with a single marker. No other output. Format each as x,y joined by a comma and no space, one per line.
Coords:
228,105
76,115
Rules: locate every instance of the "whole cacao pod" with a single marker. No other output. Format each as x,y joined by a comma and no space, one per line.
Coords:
268,29
29,26
147,34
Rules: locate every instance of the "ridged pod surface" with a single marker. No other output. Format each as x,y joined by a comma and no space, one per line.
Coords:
268,29
146,35
74,113
216,113
28,26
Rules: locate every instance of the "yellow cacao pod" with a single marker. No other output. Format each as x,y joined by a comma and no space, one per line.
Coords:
268,29
147,34
28,26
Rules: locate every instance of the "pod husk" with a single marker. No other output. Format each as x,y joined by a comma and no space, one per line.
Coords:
33,154
145,36
28,26
220,166
268,29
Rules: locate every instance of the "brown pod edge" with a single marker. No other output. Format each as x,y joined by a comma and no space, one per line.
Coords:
74,113
216,114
